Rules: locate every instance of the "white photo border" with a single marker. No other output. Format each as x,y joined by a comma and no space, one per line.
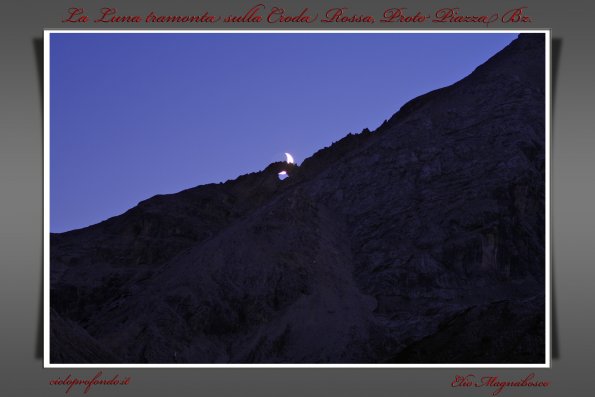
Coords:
46,198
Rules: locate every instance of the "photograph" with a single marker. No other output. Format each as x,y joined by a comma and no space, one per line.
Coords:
297,198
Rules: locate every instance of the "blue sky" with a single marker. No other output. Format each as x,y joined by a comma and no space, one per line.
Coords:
134,115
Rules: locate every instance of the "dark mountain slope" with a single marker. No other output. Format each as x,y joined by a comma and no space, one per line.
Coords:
385,247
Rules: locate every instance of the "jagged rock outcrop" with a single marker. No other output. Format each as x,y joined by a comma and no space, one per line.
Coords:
423,241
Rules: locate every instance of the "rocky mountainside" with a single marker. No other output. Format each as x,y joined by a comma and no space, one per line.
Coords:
420,242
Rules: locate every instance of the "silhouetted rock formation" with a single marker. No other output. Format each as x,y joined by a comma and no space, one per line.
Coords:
423,241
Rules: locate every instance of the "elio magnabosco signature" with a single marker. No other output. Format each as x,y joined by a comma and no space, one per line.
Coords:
494,382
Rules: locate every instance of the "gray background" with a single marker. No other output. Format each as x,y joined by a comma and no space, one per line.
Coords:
21,207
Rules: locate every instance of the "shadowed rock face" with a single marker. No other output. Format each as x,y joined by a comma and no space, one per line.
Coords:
423,241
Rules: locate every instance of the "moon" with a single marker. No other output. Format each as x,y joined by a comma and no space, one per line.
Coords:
289,158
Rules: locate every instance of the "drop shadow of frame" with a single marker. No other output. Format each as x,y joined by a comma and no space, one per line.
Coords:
556,49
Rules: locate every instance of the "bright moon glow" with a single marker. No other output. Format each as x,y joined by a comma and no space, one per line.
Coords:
282,175
289,158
